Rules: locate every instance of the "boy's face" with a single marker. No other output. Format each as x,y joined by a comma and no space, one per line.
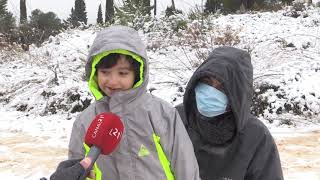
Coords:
117,78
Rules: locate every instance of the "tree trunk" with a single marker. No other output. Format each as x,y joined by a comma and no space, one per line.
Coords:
23,12
155,8
109,11
173,6
99,16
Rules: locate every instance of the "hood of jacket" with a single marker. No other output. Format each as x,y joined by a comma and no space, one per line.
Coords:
233,68
123,40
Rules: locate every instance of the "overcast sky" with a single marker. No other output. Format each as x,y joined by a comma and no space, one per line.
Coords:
63,7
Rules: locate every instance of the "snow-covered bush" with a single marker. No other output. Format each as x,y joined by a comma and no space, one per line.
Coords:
50,79
260,102
299,6
72,101
298,9
291,96
170,11
228,37
197,13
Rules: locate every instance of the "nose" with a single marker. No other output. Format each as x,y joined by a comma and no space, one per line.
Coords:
112,80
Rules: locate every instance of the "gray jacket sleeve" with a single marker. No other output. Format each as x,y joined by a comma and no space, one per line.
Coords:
179,149
76,149
265,164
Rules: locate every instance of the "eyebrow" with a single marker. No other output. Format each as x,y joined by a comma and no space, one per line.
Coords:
125,68
120,68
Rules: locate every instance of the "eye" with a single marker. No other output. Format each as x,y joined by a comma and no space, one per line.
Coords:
104,71
206,81
123,73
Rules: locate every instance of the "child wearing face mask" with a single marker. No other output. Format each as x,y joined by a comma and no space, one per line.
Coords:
210,101
229,142
155,144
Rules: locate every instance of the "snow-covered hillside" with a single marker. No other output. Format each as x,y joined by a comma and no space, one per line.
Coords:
43,90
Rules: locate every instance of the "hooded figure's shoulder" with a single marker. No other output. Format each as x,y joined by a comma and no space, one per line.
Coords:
257,131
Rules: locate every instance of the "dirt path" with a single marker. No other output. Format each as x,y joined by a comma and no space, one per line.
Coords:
300,154
28,154
24,155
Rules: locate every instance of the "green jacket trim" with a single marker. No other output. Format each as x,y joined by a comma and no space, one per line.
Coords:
97,171
93,85
163,158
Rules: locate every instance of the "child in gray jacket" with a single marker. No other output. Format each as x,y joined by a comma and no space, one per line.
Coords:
155,144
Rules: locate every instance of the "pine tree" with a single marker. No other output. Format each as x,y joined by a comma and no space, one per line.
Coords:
146,4
80,11
134,12
231,6
287,2
173,5
78,14
99,18
249,4
109,11
3,7
137,7
7,21
23,12
40,27
73,19
212,6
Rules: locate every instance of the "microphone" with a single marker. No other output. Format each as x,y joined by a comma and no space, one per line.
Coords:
103,136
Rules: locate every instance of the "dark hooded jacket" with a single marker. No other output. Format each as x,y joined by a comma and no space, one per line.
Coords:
250,153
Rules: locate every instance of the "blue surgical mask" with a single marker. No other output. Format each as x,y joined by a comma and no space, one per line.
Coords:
210,101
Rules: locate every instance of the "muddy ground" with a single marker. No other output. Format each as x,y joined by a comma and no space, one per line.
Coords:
25,154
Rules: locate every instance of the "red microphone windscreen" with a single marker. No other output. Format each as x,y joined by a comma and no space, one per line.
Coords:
105,132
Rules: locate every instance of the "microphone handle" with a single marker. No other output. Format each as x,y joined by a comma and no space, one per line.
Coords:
93,154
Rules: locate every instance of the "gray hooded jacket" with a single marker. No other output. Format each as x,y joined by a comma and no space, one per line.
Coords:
251,154
145,117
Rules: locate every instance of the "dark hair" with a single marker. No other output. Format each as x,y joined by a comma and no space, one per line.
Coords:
112,59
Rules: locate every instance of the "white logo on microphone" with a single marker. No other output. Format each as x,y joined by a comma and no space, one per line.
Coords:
95,132
115,132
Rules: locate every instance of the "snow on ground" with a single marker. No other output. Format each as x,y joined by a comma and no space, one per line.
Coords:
31,147
43,90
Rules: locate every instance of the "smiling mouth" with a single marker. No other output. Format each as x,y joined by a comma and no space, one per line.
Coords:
111,90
